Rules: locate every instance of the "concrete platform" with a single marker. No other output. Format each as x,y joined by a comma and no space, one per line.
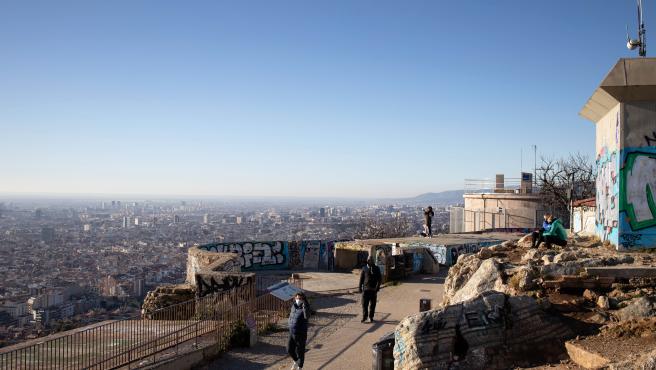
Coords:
622,272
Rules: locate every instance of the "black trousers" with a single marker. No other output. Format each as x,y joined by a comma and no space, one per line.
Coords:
296,347
538,238
369,303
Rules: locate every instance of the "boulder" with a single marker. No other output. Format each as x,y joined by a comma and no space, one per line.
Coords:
532,254
492,331
524,279
637,308
526,241
484,253
509,244
564,257
589,295
603,303
487,277
460,273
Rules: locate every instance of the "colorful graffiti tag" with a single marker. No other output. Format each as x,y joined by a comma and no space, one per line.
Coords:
638,198
448,254
274,255
255,255
607,195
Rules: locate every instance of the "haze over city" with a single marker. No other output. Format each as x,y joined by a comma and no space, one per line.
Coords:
323,99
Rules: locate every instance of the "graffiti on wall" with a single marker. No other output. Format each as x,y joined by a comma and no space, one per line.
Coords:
650,140
255,255
607,195
295,259
311,254
448,254
455,251
639,178
327,256
638,198
212,283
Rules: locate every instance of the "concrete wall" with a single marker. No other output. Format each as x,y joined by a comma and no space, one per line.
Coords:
518,211
279,255
583,220
637,197
608,142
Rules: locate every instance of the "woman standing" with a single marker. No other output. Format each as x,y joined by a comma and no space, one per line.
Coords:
298,327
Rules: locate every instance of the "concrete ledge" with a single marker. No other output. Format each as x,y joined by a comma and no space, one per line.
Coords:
622,272
585,358
189,360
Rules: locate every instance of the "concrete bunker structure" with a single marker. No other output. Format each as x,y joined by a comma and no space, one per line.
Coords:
623,109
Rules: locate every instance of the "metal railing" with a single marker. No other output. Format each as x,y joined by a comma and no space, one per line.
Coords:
143,340
509,185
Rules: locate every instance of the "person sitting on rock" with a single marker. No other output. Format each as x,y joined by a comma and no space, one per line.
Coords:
555,235
537,235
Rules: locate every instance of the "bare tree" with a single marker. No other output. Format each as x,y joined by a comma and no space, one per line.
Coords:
379,228
560,181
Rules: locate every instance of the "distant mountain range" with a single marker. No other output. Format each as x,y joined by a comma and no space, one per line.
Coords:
443,198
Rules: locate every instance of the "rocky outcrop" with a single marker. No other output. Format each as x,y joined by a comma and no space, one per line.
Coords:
638,308
459,274
166,295
491,331
486,277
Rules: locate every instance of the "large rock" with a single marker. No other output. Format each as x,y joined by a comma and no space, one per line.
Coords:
493,331
526,241
532,254
460,273
637,308
487,277
166,295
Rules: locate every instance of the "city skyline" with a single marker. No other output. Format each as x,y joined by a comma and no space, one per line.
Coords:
329,100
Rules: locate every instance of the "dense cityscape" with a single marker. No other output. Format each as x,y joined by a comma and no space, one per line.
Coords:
69,263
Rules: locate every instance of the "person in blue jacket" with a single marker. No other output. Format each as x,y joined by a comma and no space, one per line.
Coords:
537,235
298,328
556,233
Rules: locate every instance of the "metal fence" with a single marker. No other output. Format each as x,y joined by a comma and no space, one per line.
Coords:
143,340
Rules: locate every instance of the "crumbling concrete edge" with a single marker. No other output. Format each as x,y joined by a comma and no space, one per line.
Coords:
585,358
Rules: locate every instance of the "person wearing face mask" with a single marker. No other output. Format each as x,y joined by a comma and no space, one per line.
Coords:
370,279
298,327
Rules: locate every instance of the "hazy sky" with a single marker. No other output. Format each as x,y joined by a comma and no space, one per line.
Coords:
307,98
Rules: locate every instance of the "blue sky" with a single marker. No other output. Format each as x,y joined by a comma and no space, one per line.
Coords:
295,98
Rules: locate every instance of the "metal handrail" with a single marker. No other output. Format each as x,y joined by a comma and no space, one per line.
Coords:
151,332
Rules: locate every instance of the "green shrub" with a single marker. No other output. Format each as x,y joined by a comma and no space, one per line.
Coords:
240,335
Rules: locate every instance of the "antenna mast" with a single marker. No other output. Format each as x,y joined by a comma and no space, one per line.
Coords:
641,42
641,31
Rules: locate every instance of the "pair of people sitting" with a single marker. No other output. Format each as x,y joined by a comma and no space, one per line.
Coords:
552,232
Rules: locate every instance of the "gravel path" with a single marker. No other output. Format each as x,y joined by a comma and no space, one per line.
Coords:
333,312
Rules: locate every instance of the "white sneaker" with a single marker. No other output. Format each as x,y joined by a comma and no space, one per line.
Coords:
294,366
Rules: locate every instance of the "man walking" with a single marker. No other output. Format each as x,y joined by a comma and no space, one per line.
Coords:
370,279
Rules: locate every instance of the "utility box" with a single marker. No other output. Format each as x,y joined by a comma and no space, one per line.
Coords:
424,304
383,353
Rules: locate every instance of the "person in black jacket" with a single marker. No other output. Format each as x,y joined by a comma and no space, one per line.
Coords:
370,279
298,327
428,221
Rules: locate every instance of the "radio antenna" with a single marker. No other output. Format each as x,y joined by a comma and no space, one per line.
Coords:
641,42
